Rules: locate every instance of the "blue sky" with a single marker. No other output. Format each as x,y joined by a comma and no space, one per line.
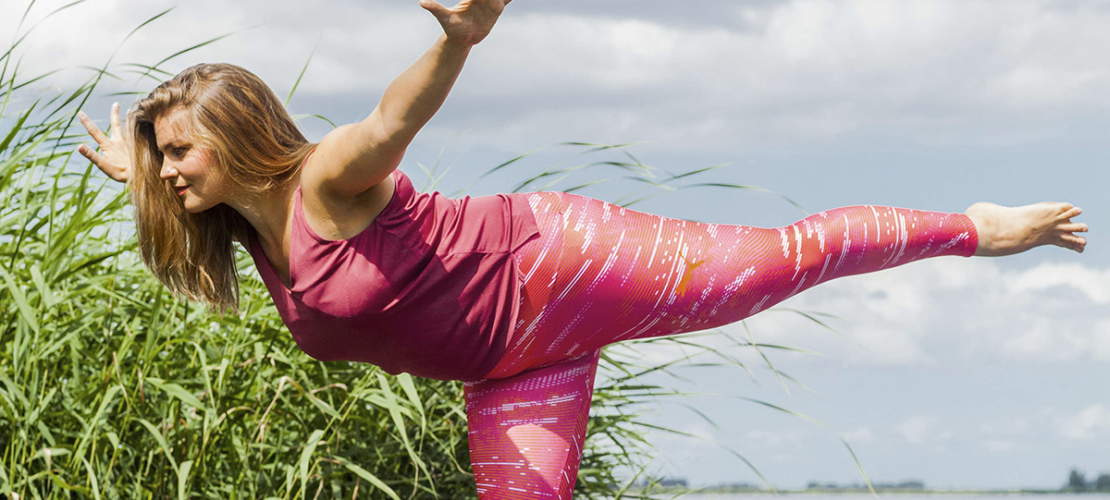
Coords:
959,372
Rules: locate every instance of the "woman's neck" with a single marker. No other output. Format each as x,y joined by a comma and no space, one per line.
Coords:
269,213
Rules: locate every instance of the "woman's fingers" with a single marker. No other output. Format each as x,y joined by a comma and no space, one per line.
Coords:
114,158
91,127
436,9
92,155
469,21
117,127
98,159
119,172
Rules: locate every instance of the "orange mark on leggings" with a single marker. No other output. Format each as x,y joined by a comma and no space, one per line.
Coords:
686,276
545,452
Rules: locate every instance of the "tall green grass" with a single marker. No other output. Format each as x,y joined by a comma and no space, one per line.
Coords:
112,388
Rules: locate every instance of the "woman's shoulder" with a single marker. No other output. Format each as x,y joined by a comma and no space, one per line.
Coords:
336,216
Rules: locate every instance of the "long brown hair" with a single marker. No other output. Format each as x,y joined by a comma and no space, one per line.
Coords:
256,146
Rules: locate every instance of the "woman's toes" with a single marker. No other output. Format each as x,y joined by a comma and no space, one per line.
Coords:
1074,242
1068,213
1072,227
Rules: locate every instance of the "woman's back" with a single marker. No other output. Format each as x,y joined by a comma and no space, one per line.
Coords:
429,288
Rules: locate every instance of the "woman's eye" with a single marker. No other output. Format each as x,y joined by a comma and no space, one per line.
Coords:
178,151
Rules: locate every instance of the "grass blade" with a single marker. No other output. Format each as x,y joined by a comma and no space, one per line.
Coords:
861,471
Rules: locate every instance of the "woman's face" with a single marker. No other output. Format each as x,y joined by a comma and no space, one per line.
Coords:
189,166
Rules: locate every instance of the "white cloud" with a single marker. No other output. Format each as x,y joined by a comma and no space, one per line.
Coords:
1101,350
1091,423
927,71
702,434
775,439
1094,283
946,310
954,310
859,435
641,41
1001,445
1005,434
917,429
1011,426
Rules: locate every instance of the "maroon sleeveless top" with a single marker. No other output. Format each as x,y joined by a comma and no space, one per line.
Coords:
429,288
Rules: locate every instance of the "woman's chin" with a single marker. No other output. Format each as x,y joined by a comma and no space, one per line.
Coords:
195,208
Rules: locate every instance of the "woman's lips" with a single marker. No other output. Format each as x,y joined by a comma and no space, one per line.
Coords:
181,190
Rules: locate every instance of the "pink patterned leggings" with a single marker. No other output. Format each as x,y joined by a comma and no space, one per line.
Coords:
600,274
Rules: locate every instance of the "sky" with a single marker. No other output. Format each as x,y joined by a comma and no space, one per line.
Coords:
963,373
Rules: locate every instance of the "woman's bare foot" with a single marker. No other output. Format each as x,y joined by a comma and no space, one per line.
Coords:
1006,230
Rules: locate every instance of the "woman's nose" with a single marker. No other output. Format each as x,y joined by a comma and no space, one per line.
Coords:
168,171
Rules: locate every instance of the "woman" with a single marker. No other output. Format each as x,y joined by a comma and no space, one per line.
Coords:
513,294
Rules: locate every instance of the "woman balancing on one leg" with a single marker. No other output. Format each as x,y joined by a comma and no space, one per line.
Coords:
513,294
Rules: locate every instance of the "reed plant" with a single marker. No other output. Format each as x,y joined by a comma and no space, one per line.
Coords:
112,388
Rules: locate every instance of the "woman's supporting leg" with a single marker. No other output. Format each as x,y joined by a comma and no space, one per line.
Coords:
526,432
600,273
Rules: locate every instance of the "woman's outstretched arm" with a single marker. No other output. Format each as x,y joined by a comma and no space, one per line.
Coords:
362,154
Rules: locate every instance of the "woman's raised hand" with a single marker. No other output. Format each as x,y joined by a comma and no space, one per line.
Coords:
468,22
114,158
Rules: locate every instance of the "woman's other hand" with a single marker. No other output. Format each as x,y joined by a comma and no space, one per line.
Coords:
468,22
114,158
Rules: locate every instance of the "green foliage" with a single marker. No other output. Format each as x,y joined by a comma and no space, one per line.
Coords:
1076,481
1103,482
110,388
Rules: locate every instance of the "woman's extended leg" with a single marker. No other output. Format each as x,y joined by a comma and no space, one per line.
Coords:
601,274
